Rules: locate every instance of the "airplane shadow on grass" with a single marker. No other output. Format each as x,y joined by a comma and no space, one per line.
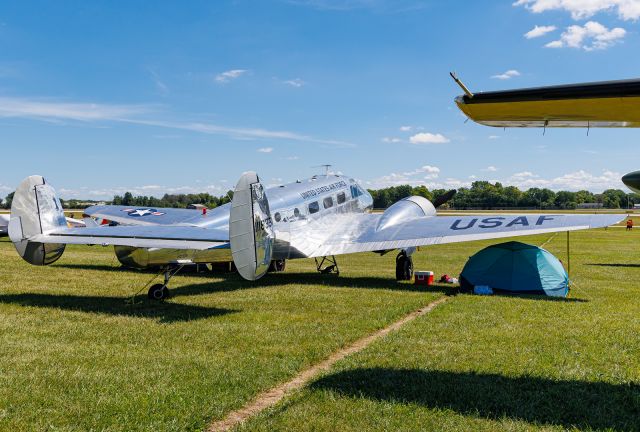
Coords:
221,281
224,282
568,404
164,312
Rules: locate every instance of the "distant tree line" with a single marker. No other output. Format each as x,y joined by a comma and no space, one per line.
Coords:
481,195
486,195
172,200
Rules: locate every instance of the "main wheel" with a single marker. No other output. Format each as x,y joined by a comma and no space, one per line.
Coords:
277,266
158,292
404,267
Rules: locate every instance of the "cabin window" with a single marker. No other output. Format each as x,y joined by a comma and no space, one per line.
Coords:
277,217
314,207
342,197
327,202
296,213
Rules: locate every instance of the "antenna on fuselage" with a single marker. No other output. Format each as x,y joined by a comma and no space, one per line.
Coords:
326,168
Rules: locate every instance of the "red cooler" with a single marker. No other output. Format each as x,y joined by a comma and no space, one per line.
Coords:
423,278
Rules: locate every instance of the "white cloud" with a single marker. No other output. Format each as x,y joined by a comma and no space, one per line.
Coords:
428,138
163,89
229,75
490,169
297,82
58,111
539,31
265,150
292,157
406,128
54,110
591,36
423,175
581,9
492,137
578,180
391,140
511,73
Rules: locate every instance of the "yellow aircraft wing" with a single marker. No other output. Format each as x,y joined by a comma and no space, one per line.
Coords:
596,104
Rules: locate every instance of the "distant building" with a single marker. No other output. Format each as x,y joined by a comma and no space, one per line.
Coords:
590,206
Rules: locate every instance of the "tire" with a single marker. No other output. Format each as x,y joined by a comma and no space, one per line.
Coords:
404,267
277,266
158,292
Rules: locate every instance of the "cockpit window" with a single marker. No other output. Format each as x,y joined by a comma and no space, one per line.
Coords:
342,197
355,191
327,202
314,207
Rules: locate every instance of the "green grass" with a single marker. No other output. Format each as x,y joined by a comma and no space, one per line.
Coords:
496,363
75,356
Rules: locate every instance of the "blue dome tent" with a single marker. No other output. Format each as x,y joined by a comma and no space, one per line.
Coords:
517,268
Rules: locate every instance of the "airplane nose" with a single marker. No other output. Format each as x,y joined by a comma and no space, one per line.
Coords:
632,180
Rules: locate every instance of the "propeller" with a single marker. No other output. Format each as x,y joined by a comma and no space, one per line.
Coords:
444,198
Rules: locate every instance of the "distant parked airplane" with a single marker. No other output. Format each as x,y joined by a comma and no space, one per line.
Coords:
320,217
4,224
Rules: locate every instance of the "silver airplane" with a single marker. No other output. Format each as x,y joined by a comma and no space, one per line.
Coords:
4,224
320,218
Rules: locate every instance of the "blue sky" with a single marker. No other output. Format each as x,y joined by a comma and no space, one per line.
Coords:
184,96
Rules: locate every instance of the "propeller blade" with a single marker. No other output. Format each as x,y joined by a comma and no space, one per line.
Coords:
443,199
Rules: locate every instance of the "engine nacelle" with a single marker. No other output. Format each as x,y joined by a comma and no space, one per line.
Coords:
405,209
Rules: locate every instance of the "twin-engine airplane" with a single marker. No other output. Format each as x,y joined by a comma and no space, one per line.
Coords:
316,218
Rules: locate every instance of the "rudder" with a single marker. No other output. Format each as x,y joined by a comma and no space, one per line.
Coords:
36,210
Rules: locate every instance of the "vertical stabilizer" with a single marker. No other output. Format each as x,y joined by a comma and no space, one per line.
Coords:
250,228
35,210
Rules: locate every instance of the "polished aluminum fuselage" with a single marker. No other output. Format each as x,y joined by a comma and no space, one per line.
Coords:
294,208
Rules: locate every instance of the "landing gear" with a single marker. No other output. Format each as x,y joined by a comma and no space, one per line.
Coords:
330,263
404,266
160,291
277,266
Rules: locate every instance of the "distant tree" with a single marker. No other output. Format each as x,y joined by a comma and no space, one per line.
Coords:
127,199
8,200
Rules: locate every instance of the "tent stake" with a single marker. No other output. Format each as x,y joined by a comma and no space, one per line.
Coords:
568,257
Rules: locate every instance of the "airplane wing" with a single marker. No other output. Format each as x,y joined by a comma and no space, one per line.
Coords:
173,237
597,104
149,216
359,233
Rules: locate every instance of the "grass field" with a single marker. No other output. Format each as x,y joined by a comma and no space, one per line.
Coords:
75,356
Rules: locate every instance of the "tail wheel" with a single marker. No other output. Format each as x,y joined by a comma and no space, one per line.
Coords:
158,292
404,267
